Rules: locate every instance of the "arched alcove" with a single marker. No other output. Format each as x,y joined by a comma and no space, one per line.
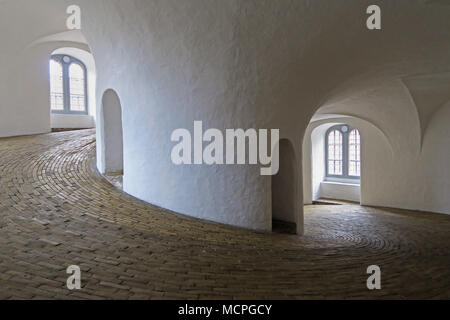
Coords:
314,161
377,163
284,190
112,133
322,184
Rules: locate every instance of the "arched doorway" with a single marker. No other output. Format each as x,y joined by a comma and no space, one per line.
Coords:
112,134
284,191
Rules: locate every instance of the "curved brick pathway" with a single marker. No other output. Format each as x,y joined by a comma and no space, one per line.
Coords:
56,211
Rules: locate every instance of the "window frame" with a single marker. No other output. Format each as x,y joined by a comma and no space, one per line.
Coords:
66,84
345,155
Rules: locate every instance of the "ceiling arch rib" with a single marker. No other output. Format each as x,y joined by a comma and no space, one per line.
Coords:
429,93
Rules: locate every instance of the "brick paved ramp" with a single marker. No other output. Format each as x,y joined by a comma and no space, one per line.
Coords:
56,211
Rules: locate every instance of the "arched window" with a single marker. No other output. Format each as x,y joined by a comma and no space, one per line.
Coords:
343,153
68,85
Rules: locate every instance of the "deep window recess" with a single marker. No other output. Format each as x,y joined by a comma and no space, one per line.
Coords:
68,85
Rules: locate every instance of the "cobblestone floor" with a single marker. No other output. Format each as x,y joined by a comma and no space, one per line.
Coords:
56,211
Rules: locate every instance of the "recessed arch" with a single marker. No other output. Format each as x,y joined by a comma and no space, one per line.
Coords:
112,135
376,152
284,189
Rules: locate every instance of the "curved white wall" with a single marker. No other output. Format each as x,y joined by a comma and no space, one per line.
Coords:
220,68
241,64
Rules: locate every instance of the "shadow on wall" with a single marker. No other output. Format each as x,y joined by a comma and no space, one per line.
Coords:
112,133
284,190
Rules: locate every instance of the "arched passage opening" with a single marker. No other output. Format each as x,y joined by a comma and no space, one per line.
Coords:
112,136
284,191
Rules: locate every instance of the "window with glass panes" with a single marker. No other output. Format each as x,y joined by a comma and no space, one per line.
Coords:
68,85
343,152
